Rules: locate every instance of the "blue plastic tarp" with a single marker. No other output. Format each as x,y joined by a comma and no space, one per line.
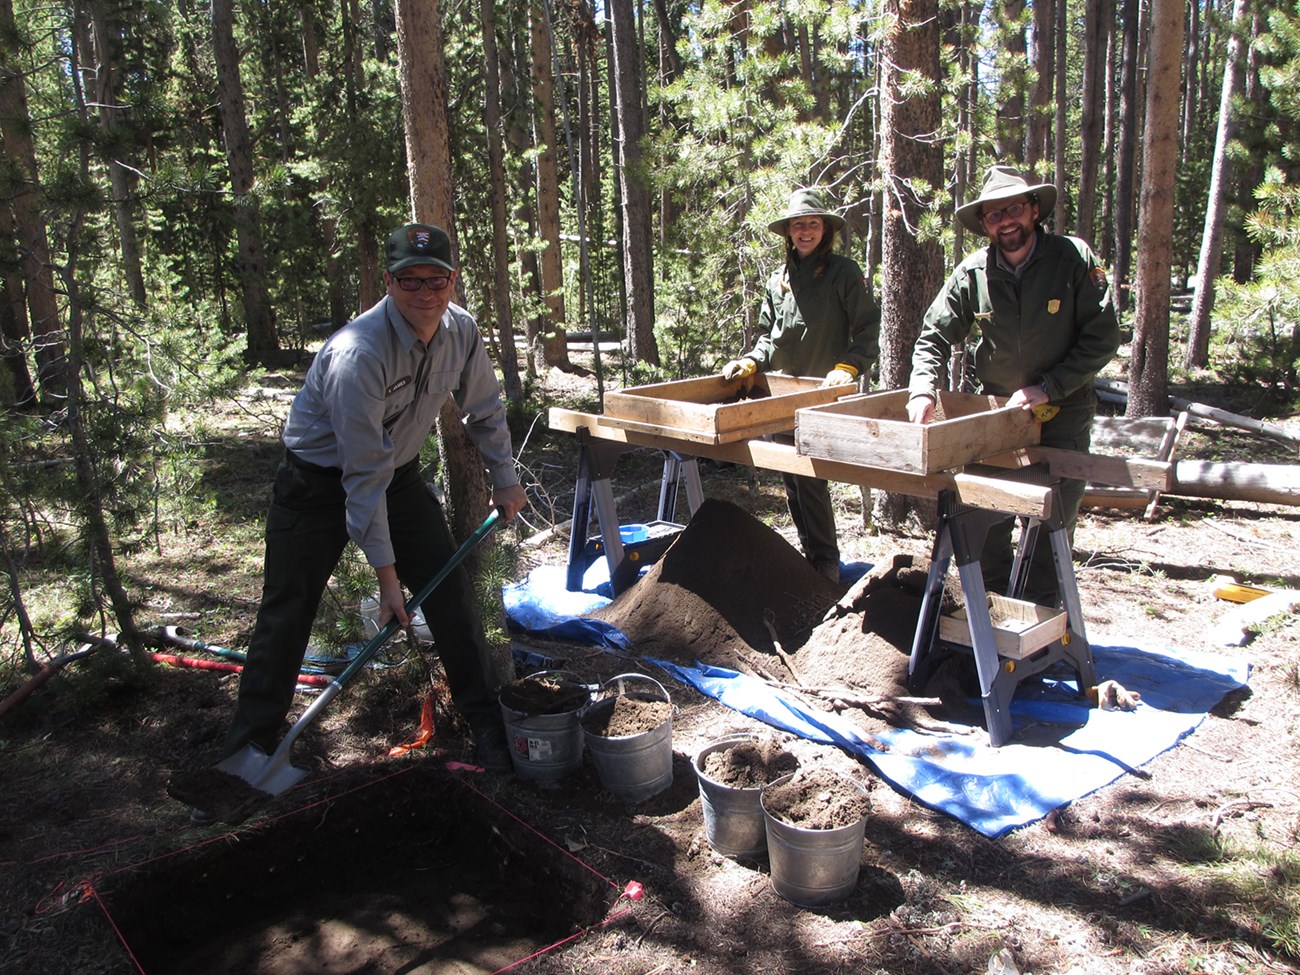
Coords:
1063,750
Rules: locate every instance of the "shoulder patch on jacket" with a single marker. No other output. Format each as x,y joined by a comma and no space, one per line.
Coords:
1098,275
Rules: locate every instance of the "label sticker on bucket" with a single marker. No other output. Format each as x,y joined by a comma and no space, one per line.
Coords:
539,749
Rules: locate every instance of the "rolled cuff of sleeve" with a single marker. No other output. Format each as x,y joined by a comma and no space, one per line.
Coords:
503,476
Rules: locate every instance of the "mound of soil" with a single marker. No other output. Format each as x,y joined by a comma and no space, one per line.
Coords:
543,695
816,799
749,764
623,715
714,594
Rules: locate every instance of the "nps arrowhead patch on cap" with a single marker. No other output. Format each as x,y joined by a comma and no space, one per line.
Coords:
420,239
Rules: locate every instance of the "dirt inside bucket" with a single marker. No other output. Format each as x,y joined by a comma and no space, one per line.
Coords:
748,764
816,799
544,695
627,715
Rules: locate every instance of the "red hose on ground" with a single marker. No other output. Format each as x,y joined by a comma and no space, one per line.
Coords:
316,680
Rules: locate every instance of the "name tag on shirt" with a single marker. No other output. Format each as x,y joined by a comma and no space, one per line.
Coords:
400,384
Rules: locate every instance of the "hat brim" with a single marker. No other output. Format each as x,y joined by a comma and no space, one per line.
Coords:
781,226
969,213
403,264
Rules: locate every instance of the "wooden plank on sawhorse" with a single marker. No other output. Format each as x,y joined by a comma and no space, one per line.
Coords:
961,535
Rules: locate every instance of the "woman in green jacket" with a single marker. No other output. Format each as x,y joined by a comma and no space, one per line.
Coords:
818,319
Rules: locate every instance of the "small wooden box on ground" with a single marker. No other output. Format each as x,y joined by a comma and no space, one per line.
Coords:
1020,629
873,430
714,410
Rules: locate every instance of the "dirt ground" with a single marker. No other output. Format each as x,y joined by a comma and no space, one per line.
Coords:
410,863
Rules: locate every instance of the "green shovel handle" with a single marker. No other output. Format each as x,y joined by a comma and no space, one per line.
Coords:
392,626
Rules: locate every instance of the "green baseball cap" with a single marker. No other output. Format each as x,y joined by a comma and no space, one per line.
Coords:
419,243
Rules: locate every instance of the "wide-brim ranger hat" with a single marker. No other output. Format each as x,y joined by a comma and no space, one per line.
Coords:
419,243
1004,183
806,202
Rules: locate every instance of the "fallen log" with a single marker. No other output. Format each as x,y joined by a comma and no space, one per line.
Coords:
1265,483
1118,391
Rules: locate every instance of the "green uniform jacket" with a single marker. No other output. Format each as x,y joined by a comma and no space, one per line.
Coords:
807,329
1056,324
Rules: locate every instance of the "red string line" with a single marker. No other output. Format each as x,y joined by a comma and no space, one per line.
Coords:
89,892
573,937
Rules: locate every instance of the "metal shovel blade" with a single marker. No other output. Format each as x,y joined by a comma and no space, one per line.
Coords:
271,774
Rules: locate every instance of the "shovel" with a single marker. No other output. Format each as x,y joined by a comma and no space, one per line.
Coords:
272,774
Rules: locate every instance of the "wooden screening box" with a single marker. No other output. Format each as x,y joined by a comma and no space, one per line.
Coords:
873,430
1020,629
714,410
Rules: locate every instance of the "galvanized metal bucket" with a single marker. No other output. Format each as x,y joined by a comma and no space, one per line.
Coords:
812,867
733,817
632,767
545,748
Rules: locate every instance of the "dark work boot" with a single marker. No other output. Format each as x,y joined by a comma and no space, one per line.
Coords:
491,750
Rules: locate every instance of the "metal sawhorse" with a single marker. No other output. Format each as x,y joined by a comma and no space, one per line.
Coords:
961,535
596,461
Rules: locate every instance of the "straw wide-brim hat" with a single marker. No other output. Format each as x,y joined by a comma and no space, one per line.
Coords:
806,202
1004,183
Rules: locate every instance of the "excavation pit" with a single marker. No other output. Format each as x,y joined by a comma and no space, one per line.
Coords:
413,873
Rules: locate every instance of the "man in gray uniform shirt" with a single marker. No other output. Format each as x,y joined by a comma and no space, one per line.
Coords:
351,472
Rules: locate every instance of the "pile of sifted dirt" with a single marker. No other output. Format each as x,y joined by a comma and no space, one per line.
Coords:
714,593
730,592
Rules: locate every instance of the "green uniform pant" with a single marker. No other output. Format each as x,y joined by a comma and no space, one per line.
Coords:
305,537
1071,429
809,500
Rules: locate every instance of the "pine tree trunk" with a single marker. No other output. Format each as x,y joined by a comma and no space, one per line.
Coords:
555,347
33,257
262,343
638,254
1148,368
497,179
1125,155
1207,267
913,268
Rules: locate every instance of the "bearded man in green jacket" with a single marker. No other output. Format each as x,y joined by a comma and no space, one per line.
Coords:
1046,328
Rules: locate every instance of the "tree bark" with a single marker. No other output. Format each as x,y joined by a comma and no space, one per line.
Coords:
1148,368
1125,155
1011,87
1207,267
33,249
108,53
1058,128
1090,115
497,179
638,253
909,157
1040,99
555,346
262,342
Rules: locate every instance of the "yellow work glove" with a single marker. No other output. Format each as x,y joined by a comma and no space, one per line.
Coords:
739,369
841,375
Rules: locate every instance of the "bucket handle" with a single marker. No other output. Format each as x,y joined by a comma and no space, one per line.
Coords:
622,689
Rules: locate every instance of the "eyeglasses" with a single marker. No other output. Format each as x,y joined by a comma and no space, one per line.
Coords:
994,217
436,283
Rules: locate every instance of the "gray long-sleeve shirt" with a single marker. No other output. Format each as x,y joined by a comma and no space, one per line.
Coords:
371,398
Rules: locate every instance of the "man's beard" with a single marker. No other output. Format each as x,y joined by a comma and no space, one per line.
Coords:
1013,240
